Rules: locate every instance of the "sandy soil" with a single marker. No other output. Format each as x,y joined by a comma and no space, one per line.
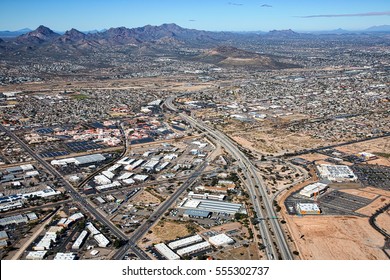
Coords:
145,197
163,231
361,193
312,157
372,207
336,238
241,253
383,221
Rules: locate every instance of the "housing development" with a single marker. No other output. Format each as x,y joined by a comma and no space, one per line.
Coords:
166,143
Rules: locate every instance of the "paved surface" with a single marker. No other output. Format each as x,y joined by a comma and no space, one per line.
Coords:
252,180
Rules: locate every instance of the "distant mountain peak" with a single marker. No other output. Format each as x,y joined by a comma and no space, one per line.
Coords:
42,33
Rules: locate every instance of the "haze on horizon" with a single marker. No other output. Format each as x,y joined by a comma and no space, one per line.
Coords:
216,15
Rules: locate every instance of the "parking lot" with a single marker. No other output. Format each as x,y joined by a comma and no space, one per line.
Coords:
332,202
373,175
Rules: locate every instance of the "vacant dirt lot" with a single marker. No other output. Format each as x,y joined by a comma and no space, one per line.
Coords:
164,231
241,253
145,198
336,238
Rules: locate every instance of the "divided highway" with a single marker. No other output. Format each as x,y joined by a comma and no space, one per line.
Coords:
249,171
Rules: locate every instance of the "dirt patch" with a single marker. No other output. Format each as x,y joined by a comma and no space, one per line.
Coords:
241,253
145,197
166,231
372,207
360,193
336,238
383,221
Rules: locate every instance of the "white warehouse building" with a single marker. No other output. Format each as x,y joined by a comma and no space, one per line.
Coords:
312,189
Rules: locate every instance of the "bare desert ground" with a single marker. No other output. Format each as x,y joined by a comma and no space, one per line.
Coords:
336,238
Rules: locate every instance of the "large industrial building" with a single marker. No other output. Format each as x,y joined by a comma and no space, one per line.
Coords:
308,209
185,242
212,206
197,214
166,252
65,256
336,173
82,160
313,189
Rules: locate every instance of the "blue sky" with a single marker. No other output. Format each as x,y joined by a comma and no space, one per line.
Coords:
214,15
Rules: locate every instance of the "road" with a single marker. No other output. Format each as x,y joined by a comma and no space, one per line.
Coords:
139,232
73,193
254,180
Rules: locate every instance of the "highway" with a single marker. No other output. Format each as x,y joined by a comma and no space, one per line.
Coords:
253,180
73,193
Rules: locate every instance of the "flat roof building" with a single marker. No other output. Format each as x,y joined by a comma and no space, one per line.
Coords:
88,159
193,249
166,252
220,240
185,242
198,214
36,255
312,189
80,240
308,209
212,206
336,173
101,240
65,256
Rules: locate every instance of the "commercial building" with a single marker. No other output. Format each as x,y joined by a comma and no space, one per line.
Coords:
193,249
206,196
80,240
166,252
108,186
140,177
16,219
336,173
43,193
220,240
37,255
313,189
65,256
185,242
212,206
308,209
101,180
197,214
108,174
89,159
46,242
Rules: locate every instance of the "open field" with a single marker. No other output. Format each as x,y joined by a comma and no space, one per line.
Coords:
336,238
240,253
166,230
145,197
